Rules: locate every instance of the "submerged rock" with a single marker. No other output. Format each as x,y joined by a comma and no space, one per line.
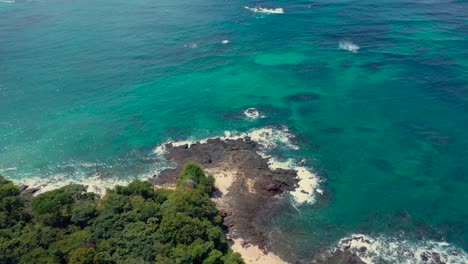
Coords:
303,97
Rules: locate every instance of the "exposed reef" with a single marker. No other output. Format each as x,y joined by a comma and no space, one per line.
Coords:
246,184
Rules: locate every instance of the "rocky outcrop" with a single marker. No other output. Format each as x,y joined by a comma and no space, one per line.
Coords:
251,199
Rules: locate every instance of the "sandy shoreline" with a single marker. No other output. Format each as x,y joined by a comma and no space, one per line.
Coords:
253,254
224,179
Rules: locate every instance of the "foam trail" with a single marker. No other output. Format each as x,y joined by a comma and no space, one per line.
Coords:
349,46
269,138
7,1
259,9
390,250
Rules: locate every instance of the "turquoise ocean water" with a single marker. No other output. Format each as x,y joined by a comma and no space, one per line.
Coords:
89,86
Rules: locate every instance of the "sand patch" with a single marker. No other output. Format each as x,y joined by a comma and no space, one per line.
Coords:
253,254
224,178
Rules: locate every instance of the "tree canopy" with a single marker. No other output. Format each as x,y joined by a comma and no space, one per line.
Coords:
130,224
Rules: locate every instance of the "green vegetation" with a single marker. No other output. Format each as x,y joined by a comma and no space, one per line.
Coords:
131,224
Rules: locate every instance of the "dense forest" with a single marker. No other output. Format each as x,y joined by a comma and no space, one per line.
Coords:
130,224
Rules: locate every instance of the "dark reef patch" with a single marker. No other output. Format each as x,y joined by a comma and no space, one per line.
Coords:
332,130
302,97
382,165
366,129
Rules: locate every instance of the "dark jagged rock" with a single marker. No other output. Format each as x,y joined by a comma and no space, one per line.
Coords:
250,204
27,192
340,257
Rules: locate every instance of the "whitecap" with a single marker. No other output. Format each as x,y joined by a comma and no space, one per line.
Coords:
191,45
349,46
392,250
7,1
225,41
258,9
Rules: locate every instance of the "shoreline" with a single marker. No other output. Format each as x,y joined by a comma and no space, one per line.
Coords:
224,179
252,187
253,254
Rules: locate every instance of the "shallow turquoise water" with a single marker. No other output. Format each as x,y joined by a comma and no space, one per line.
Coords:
90,86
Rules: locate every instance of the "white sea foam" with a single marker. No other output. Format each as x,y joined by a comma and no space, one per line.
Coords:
3,170
94,181
252,113
270,138
7,1
259,9
225,41
391,250
94,184
349,46
191,45
308,181
267,138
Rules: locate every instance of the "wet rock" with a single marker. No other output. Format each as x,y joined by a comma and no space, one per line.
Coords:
340,257
252,113
248,206
28,193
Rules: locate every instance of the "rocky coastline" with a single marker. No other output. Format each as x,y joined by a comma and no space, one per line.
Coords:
246,185
249,192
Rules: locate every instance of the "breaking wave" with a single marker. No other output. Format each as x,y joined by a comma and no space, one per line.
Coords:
349,46
97,177
270,138
382,249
